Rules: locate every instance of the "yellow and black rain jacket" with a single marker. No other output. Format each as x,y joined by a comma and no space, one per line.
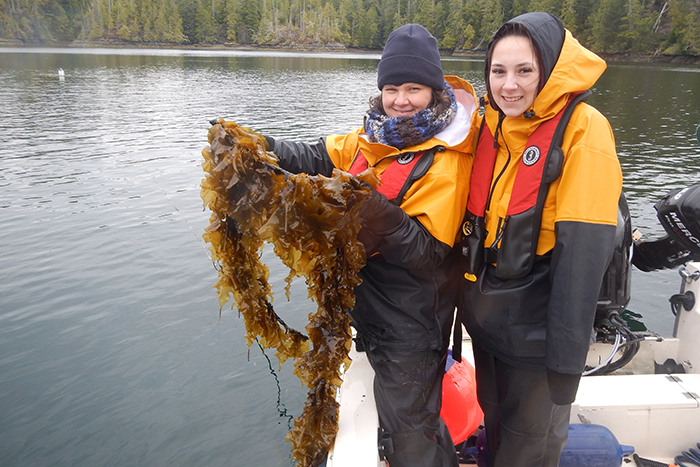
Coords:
404,301
543,315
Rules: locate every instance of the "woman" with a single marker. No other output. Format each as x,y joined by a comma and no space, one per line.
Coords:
538,235
417,137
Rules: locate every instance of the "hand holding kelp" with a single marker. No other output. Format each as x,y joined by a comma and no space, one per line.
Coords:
312,222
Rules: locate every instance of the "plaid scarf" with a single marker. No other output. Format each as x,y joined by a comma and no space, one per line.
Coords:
404,132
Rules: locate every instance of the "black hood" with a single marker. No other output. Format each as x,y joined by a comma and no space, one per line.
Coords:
547,32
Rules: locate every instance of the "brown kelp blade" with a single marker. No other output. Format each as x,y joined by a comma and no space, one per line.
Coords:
312,223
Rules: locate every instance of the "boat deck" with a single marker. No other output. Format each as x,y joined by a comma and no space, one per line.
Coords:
656,413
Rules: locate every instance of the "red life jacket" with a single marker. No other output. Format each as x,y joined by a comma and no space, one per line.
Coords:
398,177
515,247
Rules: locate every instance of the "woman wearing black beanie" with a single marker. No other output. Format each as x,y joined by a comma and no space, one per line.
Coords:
416,135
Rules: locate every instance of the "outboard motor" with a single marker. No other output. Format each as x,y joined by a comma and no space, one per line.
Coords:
679,214
617,281
609,326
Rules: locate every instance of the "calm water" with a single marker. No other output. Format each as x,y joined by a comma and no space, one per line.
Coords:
111,347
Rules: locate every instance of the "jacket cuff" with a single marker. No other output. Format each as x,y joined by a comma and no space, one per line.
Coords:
562,387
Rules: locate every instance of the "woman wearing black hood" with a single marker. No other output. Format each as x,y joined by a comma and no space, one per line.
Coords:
538,235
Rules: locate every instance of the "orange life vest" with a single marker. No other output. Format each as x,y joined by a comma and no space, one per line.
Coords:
398,177
515,247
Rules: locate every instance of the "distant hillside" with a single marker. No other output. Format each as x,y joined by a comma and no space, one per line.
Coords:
658,27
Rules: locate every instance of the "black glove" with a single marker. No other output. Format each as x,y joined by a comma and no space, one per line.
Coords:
562,387
379,217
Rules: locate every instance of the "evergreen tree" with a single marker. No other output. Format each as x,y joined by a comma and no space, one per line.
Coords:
492,18
244,20
125,23
187,10
204,22
606,23
685,15
351,13
518,7
426,15
25,20
550,6
169,23
366,36
569,17
455,26
635,28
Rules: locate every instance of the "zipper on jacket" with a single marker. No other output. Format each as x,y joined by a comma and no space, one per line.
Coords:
500,230
501,116
501,222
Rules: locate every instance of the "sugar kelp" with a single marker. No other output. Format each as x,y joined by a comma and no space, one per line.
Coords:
312,223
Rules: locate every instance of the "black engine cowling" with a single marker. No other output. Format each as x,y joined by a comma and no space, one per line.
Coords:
616,287
679,214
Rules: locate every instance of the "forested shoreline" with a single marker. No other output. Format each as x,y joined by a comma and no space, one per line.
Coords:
663,30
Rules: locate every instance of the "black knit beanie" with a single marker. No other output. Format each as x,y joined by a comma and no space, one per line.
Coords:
411,55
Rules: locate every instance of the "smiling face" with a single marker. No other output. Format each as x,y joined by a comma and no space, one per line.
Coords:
406,99
514,75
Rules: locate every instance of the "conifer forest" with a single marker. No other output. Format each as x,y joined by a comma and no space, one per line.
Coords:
658,27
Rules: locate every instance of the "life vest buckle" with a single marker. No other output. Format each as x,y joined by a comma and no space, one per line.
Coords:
467,228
